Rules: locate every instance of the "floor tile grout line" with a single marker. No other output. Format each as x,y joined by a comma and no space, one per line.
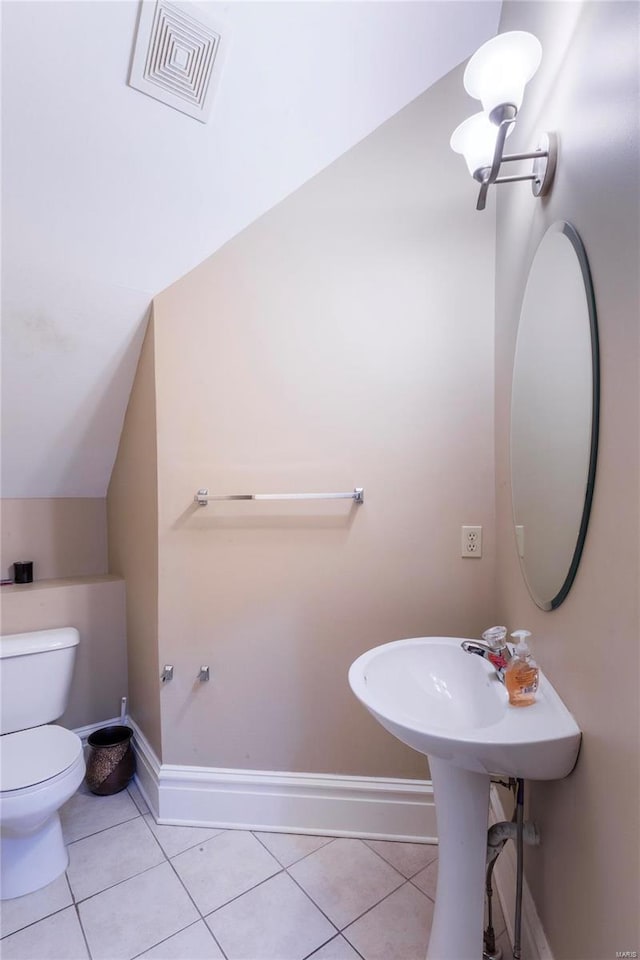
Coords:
374,905
310,956
32,923
498,930
162,849
198,910
248,890
423,892
70,906
112,886
47,915
142,812
53,912
310,898
382,857
181,930
82,930
266,848
280,869
218,830
95,833
310,854
77,913
403,880
342,934
284,871
124,879
146,870
341,930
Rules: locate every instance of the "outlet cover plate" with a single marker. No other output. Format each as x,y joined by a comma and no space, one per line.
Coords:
471,542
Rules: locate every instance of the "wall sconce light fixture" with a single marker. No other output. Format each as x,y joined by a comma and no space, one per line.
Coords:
496,75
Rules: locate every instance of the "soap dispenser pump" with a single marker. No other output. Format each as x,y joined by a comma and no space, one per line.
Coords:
521,676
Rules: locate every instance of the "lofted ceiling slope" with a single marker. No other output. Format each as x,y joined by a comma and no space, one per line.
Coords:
109,196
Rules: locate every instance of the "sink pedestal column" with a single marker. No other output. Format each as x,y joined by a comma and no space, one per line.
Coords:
462,813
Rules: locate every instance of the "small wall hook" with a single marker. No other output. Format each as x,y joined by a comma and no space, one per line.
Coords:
167,673
203,675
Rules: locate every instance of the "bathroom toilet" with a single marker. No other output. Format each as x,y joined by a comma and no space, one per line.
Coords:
41,764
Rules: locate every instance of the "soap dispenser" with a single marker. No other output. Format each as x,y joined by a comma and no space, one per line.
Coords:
521,676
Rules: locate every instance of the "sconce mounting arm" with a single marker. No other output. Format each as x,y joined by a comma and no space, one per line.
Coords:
544,165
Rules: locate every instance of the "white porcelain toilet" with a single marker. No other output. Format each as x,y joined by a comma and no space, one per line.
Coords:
41,764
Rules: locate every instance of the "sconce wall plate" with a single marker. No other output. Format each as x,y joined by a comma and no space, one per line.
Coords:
544,166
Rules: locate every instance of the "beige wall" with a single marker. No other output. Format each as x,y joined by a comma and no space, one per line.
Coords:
132,507
65,537
584,877
96,606
67,540
344,339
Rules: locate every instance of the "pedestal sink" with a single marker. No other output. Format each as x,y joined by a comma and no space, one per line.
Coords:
451,706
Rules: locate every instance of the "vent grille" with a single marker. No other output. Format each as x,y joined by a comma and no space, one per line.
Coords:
177,57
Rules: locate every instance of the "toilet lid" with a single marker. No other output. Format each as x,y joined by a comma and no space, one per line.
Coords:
32,756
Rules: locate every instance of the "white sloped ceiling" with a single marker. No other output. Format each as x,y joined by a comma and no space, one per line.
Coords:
109,196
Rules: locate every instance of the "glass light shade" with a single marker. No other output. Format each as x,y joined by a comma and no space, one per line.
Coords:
498,72
475,139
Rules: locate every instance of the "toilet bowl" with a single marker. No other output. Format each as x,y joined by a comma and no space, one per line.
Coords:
41,764
40,769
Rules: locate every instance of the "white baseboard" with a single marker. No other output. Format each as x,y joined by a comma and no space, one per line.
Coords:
384,809
147,769
534,944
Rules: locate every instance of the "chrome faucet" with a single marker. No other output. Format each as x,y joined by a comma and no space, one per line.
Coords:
495,650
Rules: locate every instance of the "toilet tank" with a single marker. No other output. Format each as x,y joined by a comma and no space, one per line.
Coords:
35,676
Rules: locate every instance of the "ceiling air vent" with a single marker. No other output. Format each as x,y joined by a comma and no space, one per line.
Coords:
177,57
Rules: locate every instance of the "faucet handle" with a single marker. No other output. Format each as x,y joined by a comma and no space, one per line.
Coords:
496,637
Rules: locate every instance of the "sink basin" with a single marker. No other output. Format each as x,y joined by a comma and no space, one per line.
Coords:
450,704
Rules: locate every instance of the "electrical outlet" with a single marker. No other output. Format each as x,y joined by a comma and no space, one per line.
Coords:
471,545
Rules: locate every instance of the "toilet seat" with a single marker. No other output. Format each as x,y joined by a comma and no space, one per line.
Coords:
31,757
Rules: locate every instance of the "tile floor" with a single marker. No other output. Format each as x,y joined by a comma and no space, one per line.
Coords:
136,889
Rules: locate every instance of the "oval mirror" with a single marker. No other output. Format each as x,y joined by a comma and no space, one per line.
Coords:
554,415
